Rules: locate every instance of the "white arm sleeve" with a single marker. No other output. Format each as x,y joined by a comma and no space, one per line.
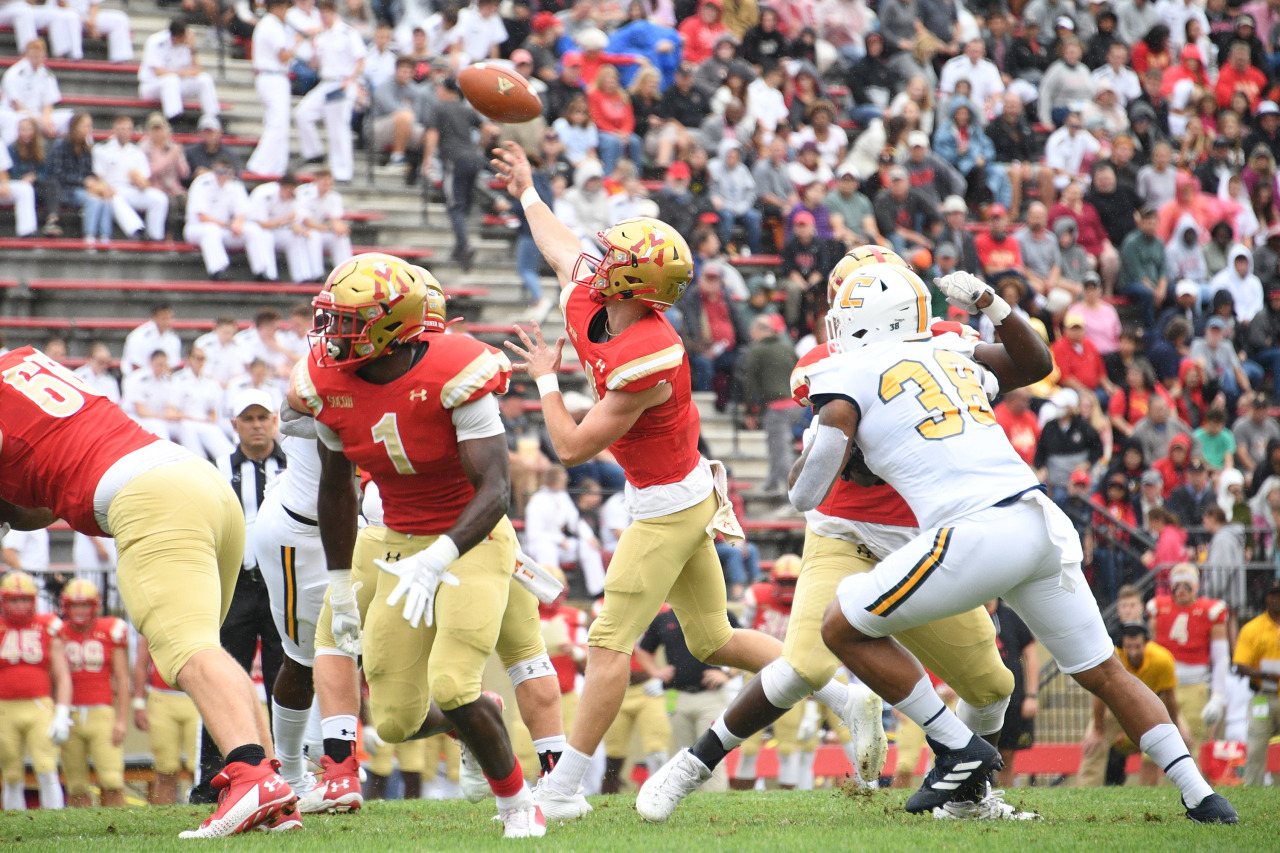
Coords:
295,423
478,419
328,438
826,456
1220,665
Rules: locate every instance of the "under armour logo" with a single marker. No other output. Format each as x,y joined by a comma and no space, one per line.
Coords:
346,733
419,395
271,784
530,669
390,558
342,785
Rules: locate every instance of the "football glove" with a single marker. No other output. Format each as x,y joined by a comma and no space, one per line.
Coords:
60,728
420,577
371,739
530,575
810,722
346,618
653,688
1214,708
963,290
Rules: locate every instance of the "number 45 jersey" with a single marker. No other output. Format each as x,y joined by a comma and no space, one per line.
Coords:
926,426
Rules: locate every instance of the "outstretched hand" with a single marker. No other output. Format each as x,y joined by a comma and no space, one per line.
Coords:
539,359
513,168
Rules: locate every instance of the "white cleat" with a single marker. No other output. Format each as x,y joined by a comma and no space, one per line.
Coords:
862,714
558,806
475,787
674,781
523,822
990,807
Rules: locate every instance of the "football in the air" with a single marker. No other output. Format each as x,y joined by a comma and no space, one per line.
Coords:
499,93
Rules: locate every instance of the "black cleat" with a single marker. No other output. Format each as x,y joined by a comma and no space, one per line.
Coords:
957,774
1213,809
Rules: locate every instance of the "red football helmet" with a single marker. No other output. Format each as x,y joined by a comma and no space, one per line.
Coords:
18,598
785,573
80,602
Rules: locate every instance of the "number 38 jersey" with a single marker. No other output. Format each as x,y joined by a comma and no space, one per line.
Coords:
24,657
58,437
89,653
926,425
405,433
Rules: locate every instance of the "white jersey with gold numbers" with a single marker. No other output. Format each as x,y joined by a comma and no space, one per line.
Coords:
926,424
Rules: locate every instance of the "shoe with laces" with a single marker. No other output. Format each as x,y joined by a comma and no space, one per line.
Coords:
558,806
992,806
674,781
475,787
958,775
523,822
250,794
338,790
287,819
862,713
1213,809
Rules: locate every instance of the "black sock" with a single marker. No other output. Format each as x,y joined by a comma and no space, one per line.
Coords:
709,750
338,749
548,760
250,753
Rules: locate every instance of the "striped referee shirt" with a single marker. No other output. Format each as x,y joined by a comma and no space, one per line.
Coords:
249,478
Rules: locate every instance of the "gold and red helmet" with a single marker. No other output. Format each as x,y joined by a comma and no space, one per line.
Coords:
18,598
644,259
369,304
783,576
437,313
80,591
855,259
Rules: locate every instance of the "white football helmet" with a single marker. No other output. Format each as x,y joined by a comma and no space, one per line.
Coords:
879,302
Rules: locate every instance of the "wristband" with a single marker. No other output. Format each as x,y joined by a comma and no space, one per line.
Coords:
340,585
444,550
997,310
138,703
549,384
529,198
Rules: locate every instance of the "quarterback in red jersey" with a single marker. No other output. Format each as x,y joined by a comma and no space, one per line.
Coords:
638,370
418,412
98,656
35,692
1194,630
68,452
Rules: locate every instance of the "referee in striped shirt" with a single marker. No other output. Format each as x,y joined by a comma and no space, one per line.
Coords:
255,462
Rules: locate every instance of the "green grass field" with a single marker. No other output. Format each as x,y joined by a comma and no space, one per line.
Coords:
1107,821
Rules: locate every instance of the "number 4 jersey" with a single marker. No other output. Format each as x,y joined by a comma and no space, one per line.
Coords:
926,426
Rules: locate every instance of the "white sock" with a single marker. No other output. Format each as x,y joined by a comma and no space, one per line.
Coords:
746,768
15,798
566,777
339,727
288,728
50,791
728,739
1166,748
555,743
833,695
313,740
926,710
519,801
655,760
788,769
806,772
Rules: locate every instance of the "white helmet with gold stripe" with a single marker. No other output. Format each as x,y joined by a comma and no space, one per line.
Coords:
880,302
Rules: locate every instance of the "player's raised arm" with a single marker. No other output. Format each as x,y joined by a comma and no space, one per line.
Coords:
1022,357
555,241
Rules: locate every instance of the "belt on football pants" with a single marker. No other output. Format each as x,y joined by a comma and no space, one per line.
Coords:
1015,497
299,517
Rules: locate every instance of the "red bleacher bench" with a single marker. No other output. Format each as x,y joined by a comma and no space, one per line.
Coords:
165,246
6,283
94,65
126,102
190,138
260,178
777,524
266,288
756,260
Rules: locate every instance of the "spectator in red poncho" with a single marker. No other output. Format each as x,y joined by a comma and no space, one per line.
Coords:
701,31
610,109
1078,360
1237,75
1207,210
1171,539
1153,51
1173,467
1190,67
1113,502
1020,424
1198,392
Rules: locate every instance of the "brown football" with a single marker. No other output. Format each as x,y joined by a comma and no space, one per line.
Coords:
499,93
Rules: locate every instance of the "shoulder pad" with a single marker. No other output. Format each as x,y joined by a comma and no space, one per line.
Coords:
117,630
474,368
54,625
800,373
304,385
1217,610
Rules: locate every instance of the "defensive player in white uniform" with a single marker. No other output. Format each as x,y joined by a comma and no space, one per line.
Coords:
341,52
273,47
917,408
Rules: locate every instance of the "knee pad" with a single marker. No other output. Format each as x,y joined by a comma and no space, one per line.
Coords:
981,689
535,667
985,720
111,778
783,686
448,693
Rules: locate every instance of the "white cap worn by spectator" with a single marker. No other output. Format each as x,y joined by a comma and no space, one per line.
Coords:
252,397
954,204
1065,398
1058,300
917,138
1186,287
1065,23
1267,108
208,122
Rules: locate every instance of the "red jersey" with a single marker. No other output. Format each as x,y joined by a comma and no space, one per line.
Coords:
1023,431
771,617
89,658
24,657
1184,631
1084,365
402,432
662,446
575,624
848,500
59,437
156,681
998,255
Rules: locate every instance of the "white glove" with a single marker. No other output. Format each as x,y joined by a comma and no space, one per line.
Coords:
963,290
371,739
653,687
1214,708
530,575
60,728
420,576
809,722
346,616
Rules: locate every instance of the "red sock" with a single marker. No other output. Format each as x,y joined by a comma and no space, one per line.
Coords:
510,786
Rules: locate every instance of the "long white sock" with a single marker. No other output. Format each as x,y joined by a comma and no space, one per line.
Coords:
789,769
520,800
727,738
313,740
15,799
833,695
555,743
339,727
50,791
926,710
288,728
566,777
746,768
1166,748
805,782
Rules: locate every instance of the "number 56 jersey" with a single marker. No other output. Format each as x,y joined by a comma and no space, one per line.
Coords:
926,426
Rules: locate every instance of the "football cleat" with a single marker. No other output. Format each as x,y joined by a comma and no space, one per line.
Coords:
558,806
338,790
957,775
674,781
250,795
1213,809
471,778
862,714
991,807
523,822
287,819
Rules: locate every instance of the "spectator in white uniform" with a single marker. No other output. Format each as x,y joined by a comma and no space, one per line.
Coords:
124,168
95,22
147,397
294,338
273,48
380,63
27,550
303,20
556,535
481,30
197,400
224,357
170,72
156,333
63,27
273,222
258,377
340,52
216,206
21,194
322,211
96,372
259,342
31,91
20,16
986,85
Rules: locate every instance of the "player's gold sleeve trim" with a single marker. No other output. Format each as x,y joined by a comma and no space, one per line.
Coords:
887,603
306,389
473,378
663,359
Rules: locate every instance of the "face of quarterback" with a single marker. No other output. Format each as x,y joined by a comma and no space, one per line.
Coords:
1184,593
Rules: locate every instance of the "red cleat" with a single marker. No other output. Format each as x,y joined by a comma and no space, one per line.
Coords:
337,791
251,796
